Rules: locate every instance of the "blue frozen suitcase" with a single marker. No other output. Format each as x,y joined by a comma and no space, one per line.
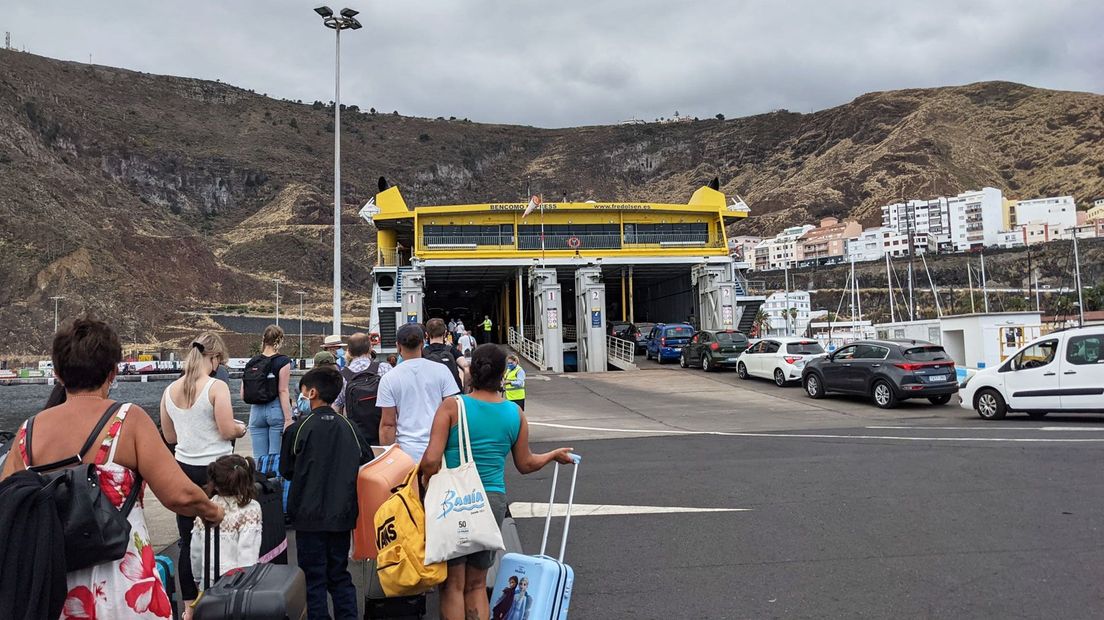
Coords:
537,587
269,465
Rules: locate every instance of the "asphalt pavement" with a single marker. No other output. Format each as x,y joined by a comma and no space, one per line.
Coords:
846,510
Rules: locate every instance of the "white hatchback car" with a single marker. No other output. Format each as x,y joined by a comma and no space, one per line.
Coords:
781,359
1062,372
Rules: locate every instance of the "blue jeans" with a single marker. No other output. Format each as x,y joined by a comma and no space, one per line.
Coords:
266,425
324,559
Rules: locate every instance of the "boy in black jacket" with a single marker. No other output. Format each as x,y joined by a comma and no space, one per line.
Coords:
321,456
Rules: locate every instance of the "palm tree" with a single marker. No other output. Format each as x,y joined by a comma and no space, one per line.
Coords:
762,320
793,316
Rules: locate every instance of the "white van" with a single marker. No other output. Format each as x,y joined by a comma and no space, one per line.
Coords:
1062,372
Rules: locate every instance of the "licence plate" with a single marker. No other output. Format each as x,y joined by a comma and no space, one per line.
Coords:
731,359
936,378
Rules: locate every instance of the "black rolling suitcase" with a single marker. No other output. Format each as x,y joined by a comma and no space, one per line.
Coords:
274,542
378,606
261,591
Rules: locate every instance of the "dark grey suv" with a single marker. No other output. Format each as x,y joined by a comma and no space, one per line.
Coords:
888,371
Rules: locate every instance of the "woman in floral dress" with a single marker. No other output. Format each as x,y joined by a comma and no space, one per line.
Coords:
85,355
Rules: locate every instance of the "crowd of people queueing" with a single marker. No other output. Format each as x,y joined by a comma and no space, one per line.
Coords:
322,438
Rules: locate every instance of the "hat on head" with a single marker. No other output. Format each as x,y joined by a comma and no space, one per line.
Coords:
324,358
333,340
410,334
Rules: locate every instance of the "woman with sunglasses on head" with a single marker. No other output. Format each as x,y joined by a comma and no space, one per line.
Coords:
197,416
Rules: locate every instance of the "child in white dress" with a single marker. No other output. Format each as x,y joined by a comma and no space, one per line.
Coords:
230,485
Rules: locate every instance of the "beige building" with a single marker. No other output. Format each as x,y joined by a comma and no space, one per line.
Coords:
1096,213
827,243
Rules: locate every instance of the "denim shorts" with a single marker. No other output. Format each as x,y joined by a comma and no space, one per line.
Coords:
485,559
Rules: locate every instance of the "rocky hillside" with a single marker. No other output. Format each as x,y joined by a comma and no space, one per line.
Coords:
140,196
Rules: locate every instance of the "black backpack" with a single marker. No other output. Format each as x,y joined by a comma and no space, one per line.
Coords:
95,532
260,381
361,390
443,355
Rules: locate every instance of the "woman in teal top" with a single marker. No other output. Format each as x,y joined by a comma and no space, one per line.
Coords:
497,427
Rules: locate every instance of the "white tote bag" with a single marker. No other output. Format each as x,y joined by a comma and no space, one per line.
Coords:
459,520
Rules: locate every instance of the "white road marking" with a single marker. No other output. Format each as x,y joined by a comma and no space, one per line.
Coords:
993,427
823,435
531,510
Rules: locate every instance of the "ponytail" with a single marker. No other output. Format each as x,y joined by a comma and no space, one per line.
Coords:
204,346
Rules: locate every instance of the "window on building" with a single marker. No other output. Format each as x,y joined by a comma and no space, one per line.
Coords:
493,234
695,232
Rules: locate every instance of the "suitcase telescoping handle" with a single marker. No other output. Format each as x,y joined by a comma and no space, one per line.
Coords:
208,562
575,458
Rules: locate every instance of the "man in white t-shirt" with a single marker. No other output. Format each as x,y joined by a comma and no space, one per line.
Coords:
410,393
466,344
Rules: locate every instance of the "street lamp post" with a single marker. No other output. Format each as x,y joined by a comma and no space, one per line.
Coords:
277,281
301,294
345,21
56,300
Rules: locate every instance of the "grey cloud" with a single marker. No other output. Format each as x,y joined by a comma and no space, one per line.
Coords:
583,62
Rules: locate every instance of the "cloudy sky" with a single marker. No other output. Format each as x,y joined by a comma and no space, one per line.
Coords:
581,62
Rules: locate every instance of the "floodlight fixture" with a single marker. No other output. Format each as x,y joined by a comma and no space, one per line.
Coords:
324,11
349,13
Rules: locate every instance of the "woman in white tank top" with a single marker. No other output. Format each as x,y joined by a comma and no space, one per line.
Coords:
197,416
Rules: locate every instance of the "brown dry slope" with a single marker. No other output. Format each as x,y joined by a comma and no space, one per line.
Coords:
139,196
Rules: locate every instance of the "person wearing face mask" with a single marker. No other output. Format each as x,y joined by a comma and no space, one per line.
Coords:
514,381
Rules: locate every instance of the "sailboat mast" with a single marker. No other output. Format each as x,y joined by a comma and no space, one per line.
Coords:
984,285
889,285
931,283
970,276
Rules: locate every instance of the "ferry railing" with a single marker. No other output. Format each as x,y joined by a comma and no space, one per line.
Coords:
529,349
389,257
465,242
587,241
672,239
621,353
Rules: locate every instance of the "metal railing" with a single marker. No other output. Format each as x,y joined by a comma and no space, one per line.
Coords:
603,241
391,257
529,349
674,239
620,350
465,241
569,334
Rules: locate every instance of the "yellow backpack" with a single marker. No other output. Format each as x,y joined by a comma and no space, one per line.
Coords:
400,538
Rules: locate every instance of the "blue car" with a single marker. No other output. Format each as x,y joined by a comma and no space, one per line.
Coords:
666,340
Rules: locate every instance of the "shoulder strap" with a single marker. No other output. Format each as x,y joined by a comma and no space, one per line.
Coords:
374,367
78,458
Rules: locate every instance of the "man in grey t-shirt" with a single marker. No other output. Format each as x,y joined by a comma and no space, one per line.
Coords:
410,393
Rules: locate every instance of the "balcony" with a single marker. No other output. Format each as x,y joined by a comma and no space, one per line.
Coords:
671,239
466,242
560,241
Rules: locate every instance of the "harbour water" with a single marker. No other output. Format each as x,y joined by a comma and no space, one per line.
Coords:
22,401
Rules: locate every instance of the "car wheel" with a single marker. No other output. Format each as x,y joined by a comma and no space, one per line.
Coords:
682,361
883,395
741,370
990,405
1037,415
707,364
940,400
813,387
659,358
779,377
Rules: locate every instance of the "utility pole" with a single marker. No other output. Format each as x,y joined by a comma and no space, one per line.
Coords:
56,300
889,284
1077,280
970,277
277,302
910,218
301,294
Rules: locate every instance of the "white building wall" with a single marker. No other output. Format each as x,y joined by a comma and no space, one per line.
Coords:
1059,212
776,308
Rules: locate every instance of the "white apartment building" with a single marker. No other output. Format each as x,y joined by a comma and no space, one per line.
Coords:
1058,213
780,321
780,252
742,248
969,220
874,243
929,221
1010,239
977,218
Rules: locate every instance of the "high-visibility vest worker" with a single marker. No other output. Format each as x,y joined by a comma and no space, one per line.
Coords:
514,382
487,324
